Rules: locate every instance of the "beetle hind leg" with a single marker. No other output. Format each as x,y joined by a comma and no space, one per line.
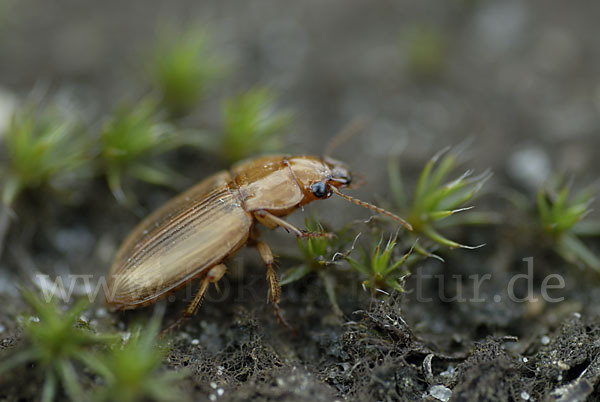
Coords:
212,276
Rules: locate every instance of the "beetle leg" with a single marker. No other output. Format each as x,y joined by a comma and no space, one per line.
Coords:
274,288
212,276
267,257
271,221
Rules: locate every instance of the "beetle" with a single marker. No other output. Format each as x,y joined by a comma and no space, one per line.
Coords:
191,236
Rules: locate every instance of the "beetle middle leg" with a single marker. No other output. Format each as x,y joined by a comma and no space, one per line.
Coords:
272,221
212,276
274,288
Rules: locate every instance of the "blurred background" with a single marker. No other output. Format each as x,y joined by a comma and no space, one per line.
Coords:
519,78
160,92
128,95
109,108
515,81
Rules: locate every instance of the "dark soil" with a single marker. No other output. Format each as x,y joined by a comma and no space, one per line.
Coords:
519,79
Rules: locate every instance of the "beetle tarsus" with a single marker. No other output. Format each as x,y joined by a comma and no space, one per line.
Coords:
267,256
282,320
274,287
174,325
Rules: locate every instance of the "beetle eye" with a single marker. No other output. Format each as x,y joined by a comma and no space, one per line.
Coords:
319,189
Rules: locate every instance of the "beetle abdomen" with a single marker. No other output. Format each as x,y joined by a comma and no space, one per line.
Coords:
186,236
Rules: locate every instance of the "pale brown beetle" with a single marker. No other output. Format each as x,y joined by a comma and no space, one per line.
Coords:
192,235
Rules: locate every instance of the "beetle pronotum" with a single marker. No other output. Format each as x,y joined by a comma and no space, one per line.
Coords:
192,235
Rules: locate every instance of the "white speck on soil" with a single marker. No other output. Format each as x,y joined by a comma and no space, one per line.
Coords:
448,373
545,340
440,393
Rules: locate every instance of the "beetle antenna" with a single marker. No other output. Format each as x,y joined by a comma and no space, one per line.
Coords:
371,207
350,130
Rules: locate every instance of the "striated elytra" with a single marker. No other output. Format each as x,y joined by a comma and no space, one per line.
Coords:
191,236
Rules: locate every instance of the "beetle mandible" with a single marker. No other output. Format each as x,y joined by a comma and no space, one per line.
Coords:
191,236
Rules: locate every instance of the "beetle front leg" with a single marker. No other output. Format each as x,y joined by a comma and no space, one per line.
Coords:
271,221
212,276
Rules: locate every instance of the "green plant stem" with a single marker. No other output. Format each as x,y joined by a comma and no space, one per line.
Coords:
70,381
329,283
587,228
49,390
573,249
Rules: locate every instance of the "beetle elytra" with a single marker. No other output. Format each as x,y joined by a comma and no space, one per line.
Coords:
191,236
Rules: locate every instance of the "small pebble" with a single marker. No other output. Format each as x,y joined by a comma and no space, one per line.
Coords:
525,396
448,373
545,340
195,342
440,393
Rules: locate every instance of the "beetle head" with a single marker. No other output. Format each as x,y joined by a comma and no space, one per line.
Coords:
340,176
317,176
320,178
